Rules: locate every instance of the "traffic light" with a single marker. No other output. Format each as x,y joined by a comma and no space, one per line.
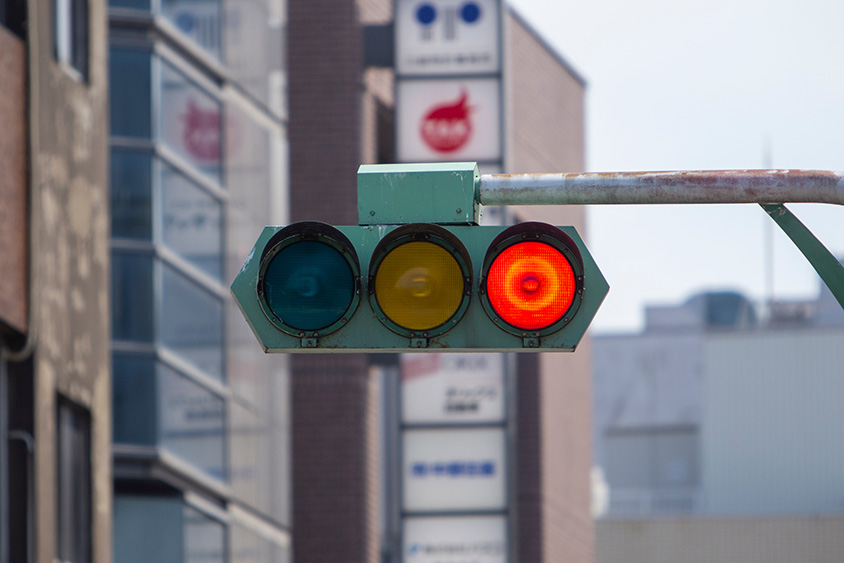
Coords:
421,286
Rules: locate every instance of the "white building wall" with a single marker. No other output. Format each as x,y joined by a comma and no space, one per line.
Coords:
773,422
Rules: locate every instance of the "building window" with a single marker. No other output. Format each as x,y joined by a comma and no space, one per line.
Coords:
73,469
13,16
71,34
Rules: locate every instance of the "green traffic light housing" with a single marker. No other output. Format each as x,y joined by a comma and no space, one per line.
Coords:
438,283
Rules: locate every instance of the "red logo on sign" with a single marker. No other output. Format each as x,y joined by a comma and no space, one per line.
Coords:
202,133
447,128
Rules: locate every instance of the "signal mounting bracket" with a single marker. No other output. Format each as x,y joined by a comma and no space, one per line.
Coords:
309,342
444,193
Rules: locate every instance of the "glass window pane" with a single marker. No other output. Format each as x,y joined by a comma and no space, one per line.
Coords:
204,538
259,458
133,399
256,160
199,20
138,4
190,122
130,93
147,528
192,323
192,422
131,193
131,297
255,49
192,222
248,546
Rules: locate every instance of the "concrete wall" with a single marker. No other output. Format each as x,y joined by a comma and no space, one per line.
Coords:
722,540
14,226
70,205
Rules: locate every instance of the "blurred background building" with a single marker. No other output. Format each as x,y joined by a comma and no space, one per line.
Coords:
198,152
719,427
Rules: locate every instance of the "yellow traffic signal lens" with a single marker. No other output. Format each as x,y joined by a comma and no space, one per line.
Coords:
419,286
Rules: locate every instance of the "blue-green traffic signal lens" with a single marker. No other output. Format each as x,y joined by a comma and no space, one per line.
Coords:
309,285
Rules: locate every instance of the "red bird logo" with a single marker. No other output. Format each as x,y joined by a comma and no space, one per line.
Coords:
448,127
201,135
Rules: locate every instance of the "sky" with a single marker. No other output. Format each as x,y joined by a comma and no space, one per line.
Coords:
707,85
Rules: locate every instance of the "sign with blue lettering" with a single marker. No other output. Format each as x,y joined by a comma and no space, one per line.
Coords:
436,37
454,469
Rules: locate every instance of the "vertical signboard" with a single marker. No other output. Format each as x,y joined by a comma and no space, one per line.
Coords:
455,450
448,80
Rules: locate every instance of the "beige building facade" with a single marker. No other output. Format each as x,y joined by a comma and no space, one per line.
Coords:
55,363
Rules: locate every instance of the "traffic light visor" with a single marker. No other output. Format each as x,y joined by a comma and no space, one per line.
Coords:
421,278
309,280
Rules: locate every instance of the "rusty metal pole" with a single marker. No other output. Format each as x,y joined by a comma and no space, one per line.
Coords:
721,186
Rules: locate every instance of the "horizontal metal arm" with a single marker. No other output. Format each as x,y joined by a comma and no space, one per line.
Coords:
716,186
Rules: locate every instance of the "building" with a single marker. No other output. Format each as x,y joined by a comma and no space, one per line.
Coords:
342,114
198,152
719,428
55,420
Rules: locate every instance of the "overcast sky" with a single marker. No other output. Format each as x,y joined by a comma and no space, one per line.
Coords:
714,84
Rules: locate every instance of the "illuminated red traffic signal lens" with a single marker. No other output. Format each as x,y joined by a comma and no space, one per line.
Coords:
531,285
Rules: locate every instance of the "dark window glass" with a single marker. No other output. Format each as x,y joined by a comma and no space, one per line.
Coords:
130,93
192,422
73,471
192,222
192,323
137,4
131,194
132,299
13,16
133,399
